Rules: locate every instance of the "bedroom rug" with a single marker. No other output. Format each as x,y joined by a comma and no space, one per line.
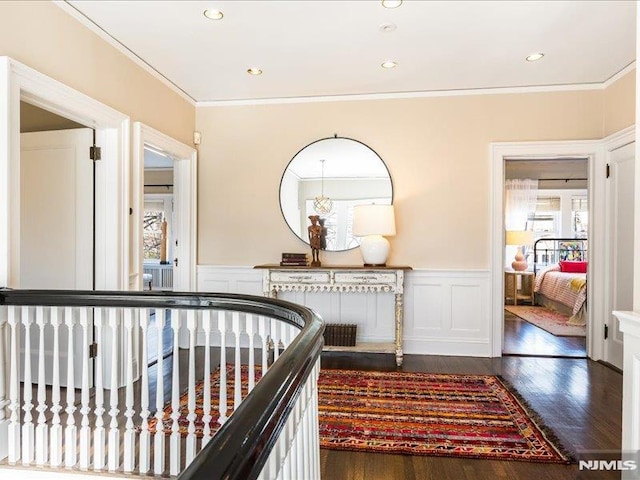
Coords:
553,322
472,416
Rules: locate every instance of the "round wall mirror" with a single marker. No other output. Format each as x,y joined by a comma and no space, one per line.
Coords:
328,178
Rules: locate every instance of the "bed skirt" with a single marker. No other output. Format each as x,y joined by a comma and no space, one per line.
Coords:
579,319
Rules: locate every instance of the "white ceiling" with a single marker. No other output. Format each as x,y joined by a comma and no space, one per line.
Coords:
320,48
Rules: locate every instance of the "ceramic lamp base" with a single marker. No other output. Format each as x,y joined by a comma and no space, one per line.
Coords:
519,264
374,250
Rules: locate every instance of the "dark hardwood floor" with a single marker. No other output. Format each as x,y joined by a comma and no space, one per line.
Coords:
580,400
524,338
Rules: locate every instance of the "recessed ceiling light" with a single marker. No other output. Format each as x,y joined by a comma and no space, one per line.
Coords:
388,27
534,57
391,3
389,64
213,14
254,71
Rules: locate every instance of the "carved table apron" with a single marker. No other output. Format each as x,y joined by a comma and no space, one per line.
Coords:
389,279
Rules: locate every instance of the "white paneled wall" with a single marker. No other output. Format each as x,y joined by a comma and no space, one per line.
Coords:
446,312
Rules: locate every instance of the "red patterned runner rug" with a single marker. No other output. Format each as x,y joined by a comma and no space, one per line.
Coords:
472,416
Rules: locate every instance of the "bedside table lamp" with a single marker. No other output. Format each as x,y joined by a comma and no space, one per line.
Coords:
373,223
519,238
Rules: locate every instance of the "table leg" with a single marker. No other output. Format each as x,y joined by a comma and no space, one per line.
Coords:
399,313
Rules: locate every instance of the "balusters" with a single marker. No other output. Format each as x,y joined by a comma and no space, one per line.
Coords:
264,342
237,385
144,441
158,438
206,395
42,442
113,461
222,404
174,445
70,431
3,358
191,416
99,433
129,433
4,369
14,389
42,430
252,369
27,405
275,339
55,432
85,431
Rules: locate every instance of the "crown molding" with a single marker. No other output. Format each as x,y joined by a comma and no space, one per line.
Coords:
95,28
400,95
614,78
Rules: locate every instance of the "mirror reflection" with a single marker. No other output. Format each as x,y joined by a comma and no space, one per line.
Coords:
328,178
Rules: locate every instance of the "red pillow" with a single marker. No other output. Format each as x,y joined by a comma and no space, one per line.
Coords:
573,267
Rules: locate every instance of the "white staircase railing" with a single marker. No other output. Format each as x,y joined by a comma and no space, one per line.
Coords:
112,412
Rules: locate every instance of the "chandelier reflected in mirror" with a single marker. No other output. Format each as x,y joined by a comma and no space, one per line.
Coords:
322,204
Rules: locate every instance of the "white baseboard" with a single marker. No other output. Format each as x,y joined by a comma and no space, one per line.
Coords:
446,312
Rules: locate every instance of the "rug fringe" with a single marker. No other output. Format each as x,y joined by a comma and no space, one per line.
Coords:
548,433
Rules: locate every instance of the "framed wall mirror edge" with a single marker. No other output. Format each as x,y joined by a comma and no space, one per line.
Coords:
328,177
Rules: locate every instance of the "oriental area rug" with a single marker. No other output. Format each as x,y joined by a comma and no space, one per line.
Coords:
553,322
472,416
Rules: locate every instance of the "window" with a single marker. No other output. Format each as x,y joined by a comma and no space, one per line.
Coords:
339,221
579,216
152,234
546,219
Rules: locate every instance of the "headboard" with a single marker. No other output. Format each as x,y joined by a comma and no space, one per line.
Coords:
548,251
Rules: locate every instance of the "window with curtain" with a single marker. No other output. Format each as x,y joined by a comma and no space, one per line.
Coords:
521,196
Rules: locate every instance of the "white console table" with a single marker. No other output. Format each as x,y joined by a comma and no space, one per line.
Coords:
355,279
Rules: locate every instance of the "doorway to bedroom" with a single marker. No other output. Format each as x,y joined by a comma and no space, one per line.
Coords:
546,218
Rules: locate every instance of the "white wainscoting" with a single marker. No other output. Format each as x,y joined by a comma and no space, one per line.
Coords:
446,312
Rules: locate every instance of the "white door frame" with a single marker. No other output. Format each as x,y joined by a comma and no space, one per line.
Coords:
185,204
610,144
19,82
594,151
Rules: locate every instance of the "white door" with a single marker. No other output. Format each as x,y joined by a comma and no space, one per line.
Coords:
621,251
56,223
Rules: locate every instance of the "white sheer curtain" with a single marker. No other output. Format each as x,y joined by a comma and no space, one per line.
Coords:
520,201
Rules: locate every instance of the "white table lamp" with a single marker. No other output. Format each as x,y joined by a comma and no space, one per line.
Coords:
373,223
519,238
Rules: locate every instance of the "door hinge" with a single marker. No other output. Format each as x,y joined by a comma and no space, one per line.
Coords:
175,262
606,332
93,350
608,170
95,153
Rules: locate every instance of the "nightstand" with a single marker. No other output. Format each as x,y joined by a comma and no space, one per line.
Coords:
511,291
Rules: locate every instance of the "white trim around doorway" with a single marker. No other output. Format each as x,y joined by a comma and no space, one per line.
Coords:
20,82
185,201
592,150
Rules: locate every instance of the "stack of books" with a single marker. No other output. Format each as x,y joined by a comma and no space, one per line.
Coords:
340,334
294,260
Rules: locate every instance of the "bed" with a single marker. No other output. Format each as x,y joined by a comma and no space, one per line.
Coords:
560,267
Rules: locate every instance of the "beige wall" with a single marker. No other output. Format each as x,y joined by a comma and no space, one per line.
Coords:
44,37
620,103
437,150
